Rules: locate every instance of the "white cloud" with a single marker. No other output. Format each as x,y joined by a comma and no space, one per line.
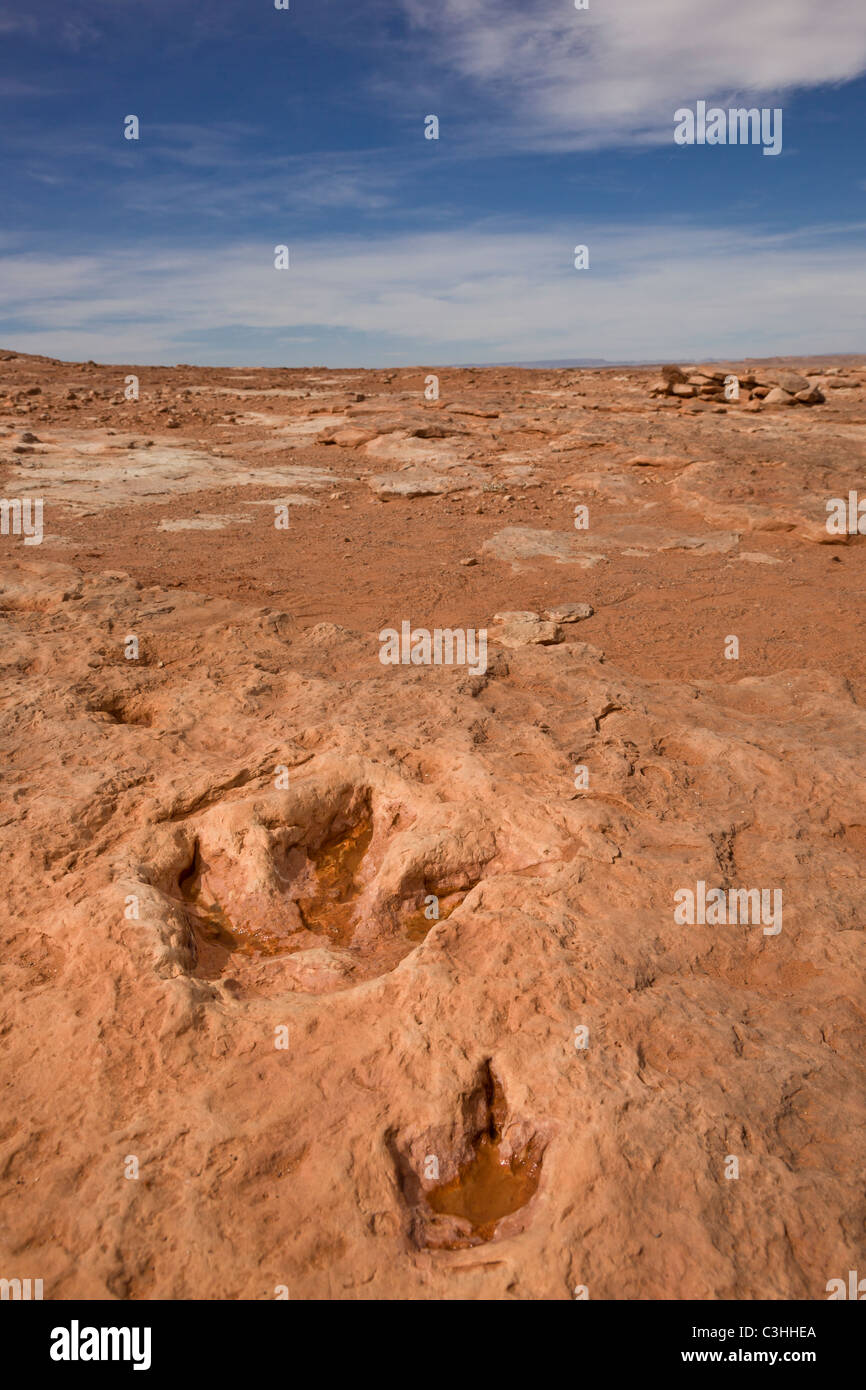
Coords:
650,293
615,73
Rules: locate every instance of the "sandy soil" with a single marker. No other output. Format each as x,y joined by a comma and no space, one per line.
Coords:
238,1054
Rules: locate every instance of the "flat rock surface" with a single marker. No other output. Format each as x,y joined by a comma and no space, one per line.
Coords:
299,931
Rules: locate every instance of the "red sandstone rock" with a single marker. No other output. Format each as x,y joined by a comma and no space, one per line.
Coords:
221,858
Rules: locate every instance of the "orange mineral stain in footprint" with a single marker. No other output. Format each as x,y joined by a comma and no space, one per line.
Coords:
417,924
330,909
487,1188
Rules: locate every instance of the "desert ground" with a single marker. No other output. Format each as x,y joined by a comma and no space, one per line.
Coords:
241,1056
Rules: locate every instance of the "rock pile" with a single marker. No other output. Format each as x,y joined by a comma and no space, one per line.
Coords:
774,386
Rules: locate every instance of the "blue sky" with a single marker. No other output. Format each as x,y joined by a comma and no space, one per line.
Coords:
306,127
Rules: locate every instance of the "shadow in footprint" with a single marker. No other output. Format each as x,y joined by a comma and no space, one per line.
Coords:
215,938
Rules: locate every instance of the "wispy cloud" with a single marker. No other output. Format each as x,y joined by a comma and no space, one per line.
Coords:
562,78
78,26
11,23
650,291
276,182
73,29
11,88
221,170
